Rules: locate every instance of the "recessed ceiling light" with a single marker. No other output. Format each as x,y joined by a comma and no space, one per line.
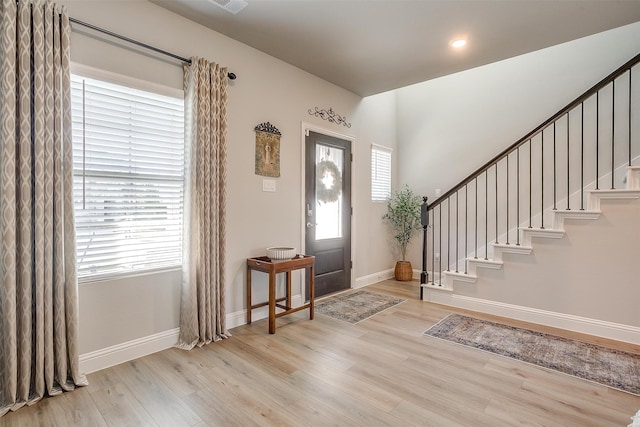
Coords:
458,43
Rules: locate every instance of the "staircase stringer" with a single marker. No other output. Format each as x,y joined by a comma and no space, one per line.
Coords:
556,231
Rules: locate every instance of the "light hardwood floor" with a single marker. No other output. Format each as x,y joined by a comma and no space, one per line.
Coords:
325,372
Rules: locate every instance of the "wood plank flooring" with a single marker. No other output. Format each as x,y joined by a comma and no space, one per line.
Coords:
380,372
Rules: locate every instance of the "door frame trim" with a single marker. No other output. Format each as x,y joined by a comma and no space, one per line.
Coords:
304,128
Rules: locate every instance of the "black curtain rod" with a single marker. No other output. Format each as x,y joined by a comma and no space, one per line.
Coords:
230,75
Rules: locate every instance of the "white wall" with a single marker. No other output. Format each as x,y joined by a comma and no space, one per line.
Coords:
449,127
591,273
119,311
471,116
378,116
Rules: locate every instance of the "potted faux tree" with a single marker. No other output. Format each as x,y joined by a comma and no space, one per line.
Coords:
403,219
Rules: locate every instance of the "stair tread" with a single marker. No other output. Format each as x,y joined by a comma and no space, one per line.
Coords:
485,261
550,231
437,286
461,276
503,248
457,273
616,192
511,246
578,211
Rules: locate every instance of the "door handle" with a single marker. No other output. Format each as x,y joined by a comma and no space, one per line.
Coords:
309,224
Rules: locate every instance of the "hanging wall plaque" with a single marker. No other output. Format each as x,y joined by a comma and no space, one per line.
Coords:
267,150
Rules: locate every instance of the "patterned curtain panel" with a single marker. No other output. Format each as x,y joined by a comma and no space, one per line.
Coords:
202,315
38,286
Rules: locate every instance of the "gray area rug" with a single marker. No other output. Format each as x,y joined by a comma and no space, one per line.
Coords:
356,307
613,368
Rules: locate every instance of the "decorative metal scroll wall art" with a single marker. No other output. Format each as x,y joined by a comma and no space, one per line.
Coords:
330,115
267,150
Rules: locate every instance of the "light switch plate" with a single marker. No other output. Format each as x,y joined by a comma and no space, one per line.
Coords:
269,185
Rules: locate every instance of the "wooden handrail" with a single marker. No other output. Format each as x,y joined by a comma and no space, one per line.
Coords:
595,88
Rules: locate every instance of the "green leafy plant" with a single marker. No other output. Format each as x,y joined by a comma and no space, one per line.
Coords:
403,217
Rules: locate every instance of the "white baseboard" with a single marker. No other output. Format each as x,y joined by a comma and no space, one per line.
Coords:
601,328
370,279
120,353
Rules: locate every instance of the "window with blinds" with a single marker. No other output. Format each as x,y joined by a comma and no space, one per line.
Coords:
380,173
128,166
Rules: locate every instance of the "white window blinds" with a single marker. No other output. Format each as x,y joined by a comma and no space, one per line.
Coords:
128,156
380,173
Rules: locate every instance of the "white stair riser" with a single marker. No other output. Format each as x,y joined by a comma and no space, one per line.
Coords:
633,177
595,196
529,233
560,216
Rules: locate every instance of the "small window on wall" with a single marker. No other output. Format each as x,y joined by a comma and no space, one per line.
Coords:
380,173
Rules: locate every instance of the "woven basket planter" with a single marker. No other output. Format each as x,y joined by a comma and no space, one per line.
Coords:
403,271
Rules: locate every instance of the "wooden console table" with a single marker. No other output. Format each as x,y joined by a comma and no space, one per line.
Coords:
273,267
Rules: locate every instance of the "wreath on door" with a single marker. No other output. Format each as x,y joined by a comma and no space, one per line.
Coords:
327,171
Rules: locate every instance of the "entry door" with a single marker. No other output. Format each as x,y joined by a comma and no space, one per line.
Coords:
328,211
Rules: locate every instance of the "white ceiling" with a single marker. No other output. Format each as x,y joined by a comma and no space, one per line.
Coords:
372,46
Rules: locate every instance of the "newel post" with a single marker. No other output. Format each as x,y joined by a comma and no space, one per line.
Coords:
424,219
